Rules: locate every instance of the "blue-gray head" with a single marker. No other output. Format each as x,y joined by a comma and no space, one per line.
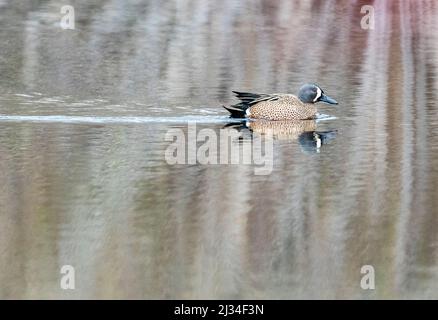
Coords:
311,93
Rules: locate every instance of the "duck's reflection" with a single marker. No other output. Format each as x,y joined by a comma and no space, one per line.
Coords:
304,131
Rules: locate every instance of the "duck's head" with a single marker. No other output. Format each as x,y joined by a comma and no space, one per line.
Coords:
311,93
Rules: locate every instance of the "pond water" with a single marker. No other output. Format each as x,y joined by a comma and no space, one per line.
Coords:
84,180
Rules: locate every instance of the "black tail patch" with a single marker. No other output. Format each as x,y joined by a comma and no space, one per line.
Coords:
236,112
247,97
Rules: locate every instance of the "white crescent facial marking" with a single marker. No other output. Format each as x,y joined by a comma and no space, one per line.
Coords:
318,94
317,139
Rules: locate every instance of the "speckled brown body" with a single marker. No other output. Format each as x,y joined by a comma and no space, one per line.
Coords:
282,107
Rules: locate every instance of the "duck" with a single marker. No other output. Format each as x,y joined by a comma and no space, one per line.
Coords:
280,106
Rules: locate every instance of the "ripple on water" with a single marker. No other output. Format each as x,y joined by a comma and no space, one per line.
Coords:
125,119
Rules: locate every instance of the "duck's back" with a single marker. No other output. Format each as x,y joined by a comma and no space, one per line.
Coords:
286,107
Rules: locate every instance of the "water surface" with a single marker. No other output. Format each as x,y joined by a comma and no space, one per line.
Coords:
83,176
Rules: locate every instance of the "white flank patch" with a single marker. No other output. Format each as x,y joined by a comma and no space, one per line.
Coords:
247,112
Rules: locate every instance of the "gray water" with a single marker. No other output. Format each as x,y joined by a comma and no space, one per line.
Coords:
84,180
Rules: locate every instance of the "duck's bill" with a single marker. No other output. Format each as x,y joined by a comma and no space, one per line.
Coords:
327,99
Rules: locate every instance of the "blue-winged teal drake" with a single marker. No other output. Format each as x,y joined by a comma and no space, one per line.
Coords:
280,106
